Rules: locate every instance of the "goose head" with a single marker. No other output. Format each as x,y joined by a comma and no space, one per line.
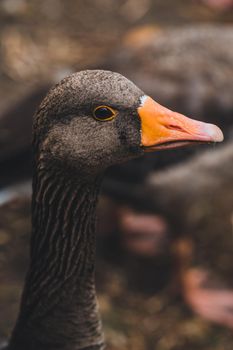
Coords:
94,119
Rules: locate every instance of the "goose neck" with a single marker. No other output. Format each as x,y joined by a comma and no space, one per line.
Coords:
59,301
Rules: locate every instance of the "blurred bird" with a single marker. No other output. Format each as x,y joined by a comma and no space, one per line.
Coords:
187,68
221,5
195,200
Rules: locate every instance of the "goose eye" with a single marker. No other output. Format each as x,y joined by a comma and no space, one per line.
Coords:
104,113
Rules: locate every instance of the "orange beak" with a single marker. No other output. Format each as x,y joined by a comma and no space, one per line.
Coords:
164,129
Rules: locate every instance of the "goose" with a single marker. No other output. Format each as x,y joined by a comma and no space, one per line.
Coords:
86,123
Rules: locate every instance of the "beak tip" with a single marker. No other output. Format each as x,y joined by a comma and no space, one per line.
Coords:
214,132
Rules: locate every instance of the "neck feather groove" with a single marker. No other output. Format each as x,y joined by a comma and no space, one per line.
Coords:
59,308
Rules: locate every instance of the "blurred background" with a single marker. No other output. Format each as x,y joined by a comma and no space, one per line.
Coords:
165,223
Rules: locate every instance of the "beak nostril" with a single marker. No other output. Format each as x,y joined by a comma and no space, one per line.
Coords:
174,127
